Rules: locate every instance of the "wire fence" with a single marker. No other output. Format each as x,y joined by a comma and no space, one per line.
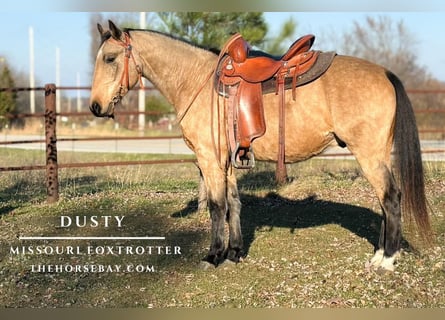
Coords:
52,166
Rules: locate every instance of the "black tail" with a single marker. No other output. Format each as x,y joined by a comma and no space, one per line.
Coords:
408,161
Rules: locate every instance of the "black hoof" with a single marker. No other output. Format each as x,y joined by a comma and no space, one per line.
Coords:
235,255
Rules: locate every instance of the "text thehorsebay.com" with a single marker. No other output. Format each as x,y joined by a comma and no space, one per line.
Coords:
120,250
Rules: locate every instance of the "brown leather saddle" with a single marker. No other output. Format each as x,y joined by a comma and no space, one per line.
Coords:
242,76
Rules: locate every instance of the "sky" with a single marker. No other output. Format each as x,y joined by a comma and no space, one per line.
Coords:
68,33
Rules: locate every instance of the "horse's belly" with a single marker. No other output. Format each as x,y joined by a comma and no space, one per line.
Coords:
308,124
298,147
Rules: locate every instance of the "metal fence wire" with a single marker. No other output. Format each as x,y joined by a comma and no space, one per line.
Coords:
52,166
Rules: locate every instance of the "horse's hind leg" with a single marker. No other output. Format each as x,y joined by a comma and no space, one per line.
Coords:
380,177
390,231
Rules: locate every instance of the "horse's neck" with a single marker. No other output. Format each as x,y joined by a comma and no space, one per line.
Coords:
177,69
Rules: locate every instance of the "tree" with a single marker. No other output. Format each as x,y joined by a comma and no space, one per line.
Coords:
388,43
7,98
211,29
276,45
206,29
391,45
122,20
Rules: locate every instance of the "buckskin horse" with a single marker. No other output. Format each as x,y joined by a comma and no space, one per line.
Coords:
355,103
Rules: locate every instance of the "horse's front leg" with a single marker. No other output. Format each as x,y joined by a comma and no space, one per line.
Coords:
202,195
235,249
216,186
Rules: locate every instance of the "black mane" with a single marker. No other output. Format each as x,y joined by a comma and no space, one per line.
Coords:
211,49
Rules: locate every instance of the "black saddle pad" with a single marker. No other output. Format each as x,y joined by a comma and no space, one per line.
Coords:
320,66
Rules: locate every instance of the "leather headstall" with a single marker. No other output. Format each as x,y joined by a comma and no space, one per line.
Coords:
124,86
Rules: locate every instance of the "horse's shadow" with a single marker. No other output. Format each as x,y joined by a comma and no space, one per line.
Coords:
16,195
11,197
274,211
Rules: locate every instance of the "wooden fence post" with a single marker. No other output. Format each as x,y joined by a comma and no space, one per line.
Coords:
52,179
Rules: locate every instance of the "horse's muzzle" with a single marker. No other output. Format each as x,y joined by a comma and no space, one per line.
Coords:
96,109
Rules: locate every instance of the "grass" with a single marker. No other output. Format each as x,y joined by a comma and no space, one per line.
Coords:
307,241
100,127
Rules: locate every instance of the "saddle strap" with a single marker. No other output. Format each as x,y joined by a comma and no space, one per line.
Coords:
281,171
231,114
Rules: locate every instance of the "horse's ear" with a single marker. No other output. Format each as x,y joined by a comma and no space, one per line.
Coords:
101,30
116,33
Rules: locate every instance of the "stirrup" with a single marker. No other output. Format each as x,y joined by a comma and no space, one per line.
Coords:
246,161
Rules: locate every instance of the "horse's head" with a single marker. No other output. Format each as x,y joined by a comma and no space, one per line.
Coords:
115,73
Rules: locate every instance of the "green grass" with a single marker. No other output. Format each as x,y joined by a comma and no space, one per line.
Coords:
307,242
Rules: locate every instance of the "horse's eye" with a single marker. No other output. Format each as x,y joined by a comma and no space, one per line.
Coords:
109,59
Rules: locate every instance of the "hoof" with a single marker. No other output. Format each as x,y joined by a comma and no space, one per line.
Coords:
235,255
388,263
381,264
376,260
227,264
205,265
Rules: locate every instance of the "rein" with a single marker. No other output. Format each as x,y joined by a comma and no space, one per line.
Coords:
124,87
215,144
182,113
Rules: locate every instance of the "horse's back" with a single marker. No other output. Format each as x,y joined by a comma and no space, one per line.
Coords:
354,80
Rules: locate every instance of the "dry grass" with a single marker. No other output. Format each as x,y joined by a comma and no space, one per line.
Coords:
307,242
98,127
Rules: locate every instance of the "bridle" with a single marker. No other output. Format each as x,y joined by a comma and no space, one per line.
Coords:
124,85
